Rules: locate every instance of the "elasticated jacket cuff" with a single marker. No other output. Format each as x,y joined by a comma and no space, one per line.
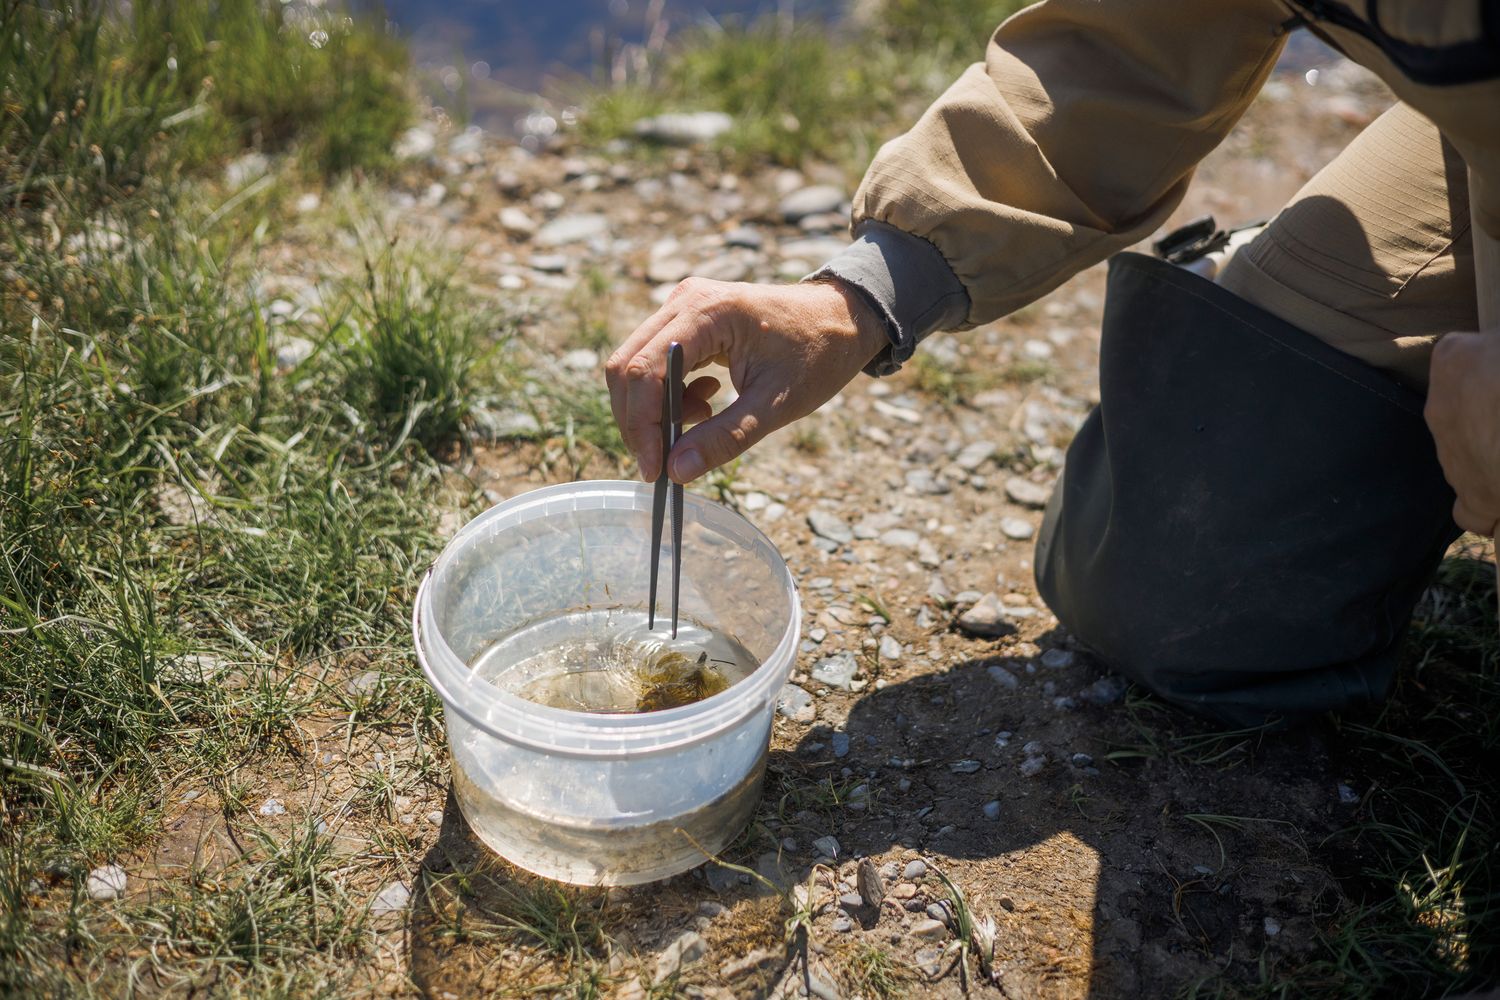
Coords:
908,282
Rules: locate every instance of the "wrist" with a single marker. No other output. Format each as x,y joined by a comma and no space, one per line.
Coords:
856,321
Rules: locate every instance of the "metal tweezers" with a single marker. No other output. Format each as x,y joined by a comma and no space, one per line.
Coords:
671,430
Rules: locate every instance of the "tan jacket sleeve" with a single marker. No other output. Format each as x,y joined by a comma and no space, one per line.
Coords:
1075,138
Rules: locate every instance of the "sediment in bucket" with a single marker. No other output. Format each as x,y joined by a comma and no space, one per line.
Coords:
590,797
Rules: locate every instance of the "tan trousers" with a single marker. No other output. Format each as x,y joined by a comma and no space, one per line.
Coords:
1374,255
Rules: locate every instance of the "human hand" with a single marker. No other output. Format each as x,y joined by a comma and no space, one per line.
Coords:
788,348
1463,412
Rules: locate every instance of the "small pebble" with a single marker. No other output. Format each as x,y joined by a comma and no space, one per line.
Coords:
272,807
106,882
842,925
1081,760
1016,528
929,929
391,899
1001,676
992,810
851,901
1058,659
914,870
710,908
1347,795
1272,926
828,847
965,766
1032,766
840,744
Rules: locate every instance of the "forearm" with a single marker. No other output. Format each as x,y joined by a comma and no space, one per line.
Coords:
1074,139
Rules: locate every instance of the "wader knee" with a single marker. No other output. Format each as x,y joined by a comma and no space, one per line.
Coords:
1246,520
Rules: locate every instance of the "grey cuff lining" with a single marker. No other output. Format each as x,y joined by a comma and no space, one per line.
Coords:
909,283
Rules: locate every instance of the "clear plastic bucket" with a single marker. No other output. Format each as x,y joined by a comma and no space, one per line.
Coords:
604,799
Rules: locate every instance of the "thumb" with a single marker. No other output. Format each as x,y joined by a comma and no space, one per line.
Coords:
721,438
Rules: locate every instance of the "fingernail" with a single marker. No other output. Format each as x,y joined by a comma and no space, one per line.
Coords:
688,465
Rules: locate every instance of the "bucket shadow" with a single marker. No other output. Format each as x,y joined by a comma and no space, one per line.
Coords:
478,925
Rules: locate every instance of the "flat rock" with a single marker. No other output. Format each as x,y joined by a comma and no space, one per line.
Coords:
514,220
974,455
1106,690
684,128
836,671
685,950
796,704
549,263
890,649
929,928
106,883
1016,528
1001,676
925,481
1026,493
392,899
829,525
812,200
828,847
901,538
1058,659
986,618
572,229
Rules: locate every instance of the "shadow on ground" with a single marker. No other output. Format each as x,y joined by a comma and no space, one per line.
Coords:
1122,849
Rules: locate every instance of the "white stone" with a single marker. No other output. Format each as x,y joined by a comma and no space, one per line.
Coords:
814,200
974,455
830,526
514,220
572,229
1026,493
987,618
392,899
1016,528
688,948
929,928
107,882
836,671
796,704
684,128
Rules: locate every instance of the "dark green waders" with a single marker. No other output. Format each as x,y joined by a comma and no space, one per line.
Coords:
1246,520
